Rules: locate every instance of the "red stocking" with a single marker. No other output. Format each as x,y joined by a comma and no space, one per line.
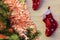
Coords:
35,4
50,22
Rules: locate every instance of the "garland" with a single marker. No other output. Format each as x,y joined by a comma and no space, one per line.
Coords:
4,11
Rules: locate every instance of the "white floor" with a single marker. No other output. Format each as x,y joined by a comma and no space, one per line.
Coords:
37,19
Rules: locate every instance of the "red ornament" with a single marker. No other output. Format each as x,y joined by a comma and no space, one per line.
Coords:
50,23
35,4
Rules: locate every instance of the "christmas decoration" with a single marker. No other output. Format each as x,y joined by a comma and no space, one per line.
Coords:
50,22
20,20
35,4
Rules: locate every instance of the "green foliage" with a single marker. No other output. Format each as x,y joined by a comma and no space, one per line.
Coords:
22,1
32,36
6,32
5,20
4,6
13,37
4,11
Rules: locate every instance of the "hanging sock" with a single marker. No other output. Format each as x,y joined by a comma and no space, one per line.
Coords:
35,4
50,22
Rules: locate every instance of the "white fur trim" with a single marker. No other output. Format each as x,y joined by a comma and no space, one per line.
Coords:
46,13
